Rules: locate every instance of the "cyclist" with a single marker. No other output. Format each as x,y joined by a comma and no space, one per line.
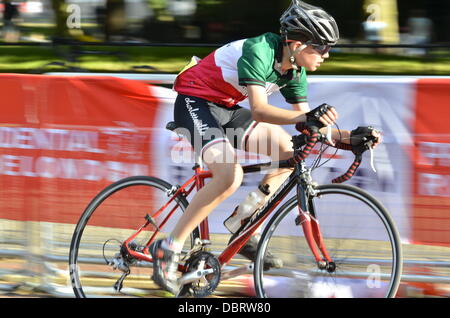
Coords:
207,108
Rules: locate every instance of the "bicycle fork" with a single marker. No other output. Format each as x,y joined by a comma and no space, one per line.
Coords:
311,230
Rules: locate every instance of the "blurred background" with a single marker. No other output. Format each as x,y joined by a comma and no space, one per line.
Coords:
151,40
144,28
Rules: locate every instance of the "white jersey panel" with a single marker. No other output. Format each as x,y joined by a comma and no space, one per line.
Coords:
226,58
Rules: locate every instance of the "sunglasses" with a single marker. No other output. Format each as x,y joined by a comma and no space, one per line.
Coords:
321,49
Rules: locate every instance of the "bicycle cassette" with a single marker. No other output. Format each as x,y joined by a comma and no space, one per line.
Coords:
202,275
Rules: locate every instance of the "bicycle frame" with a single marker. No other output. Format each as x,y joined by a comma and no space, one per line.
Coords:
300,177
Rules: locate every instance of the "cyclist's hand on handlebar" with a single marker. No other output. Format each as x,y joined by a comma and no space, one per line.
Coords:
377,134
322,116
364,138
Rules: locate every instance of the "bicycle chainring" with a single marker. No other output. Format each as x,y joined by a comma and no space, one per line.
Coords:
205,286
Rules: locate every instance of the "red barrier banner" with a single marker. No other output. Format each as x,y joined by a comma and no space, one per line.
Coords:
64,139
431,189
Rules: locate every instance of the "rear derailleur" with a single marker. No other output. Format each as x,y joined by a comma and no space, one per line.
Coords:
122,261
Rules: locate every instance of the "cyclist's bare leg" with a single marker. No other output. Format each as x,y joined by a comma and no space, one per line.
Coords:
275,142
227,177
272,141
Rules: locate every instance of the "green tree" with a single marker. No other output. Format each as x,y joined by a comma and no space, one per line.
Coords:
115,19
61,14
158,7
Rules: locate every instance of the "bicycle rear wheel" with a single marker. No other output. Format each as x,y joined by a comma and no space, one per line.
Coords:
360,238
112,217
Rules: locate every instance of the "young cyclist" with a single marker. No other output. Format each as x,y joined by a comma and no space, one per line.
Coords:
207,107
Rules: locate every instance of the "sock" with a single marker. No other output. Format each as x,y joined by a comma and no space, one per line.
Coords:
173,244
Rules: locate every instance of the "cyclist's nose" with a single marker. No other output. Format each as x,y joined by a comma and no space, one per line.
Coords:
326,55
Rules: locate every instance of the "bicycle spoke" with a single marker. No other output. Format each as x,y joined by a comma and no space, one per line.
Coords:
360,241
99,259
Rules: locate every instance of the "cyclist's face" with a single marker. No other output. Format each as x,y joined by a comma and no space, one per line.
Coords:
310,58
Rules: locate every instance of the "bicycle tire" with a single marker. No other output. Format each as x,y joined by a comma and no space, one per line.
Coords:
313,282
132,184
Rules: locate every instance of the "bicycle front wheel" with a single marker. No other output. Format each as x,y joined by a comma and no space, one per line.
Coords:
96,257
359,236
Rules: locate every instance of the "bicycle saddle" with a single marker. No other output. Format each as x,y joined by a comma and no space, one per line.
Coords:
171,125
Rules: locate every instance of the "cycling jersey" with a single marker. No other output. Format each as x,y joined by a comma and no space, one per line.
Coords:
222,76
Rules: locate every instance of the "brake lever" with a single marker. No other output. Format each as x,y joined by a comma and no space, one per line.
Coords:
371,160
369,145
328,136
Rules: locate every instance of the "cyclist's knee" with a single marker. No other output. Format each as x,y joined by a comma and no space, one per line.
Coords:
221,160
219,153
229,175
235,178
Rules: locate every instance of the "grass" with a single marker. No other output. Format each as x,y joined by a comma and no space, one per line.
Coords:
24,59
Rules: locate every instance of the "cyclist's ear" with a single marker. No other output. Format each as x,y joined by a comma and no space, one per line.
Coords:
296,45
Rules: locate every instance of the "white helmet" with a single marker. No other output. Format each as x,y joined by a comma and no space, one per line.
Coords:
304,22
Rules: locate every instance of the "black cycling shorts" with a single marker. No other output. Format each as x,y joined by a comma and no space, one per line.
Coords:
205,123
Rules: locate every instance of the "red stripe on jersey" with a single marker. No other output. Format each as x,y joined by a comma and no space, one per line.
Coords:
205,80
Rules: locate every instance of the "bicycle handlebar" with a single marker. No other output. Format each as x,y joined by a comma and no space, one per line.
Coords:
311,136
350,172
353,167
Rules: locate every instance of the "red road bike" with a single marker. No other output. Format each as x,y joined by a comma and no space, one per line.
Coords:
354,251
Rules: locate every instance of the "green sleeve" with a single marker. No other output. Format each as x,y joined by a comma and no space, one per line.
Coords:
296,89
252,65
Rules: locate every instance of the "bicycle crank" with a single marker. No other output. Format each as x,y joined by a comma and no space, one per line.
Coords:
202,275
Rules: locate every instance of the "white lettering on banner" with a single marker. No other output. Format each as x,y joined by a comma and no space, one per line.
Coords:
49,139
116,143
434,184
79,169
434,154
